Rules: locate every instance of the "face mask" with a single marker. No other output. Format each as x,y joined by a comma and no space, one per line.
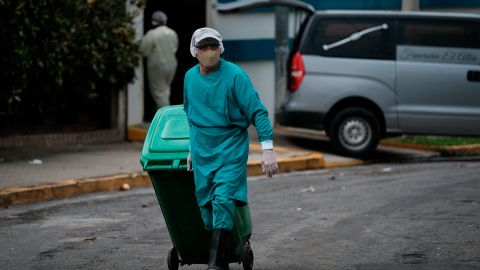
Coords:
209,58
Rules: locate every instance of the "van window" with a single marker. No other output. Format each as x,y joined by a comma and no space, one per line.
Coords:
374,45
438,33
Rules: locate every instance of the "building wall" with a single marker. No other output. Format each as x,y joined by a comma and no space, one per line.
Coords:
242,30
249,40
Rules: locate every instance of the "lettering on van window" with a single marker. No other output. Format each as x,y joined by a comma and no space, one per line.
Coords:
438,55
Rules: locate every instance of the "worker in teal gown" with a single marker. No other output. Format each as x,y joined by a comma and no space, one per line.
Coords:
221,102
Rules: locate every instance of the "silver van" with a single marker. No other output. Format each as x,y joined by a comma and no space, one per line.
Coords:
361,76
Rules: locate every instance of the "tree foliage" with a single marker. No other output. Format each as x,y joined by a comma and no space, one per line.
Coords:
56,54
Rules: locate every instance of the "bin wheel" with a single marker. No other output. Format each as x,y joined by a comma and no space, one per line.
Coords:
172,259
247,260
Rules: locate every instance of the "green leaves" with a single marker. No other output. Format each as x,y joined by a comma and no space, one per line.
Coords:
53,50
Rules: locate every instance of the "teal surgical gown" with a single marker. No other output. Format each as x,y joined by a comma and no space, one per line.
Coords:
220,106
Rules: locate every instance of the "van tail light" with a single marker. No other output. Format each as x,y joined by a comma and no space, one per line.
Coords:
297,71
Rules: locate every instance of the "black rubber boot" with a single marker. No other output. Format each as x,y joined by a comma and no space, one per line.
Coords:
218,250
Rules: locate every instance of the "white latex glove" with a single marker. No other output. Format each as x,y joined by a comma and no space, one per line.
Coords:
269,163
189,163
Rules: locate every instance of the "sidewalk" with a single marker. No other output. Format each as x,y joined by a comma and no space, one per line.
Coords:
29,175
50,165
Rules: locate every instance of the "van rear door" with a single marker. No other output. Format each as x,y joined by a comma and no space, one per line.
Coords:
437,88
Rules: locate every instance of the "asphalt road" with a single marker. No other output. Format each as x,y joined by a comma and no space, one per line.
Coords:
382,216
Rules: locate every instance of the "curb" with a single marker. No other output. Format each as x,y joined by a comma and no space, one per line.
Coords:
74,187
136,134
448,151
309,162
336,164
69,187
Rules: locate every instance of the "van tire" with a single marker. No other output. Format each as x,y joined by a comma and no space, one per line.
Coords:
354,132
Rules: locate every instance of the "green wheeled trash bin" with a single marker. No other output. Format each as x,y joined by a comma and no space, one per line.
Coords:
164,157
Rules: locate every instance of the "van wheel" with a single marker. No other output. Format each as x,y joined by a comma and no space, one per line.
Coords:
354,132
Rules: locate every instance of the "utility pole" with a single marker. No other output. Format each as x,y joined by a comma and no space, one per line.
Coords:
281,55
410,5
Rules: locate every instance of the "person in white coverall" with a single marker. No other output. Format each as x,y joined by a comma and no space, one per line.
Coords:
159,46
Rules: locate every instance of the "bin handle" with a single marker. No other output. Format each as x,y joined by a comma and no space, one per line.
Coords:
182,167
174,167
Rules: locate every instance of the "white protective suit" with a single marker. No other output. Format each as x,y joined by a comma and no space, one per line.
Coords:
159,45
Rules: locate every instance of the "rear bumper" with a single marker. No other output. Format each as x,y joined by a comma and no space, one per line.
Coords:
301,119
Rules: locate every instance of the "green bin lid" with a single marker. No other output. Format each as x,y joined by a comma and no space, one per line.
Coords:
167,138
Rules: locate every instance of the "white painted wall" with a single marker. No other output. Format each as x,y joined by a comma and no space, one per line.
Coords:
135,90
242,26
262,74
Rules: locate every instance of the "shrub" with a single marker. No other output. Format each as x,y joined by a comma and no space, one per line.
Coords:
57,55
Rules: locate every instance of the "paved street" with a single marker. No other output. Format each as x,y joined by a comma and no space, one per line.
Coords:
382,216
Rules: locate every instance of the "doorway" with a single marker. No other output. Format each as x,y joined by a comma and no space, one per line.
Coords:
184,17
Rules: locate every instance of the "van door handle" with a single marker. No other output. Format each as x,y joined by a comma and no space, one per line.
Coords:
473,76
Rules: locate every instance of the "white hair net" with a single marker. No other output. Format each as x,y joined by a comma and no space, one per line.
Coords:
159,18
203,33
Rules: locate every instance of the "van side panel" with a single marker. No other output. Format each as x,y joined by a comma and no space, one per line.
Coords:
434,60
436,97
